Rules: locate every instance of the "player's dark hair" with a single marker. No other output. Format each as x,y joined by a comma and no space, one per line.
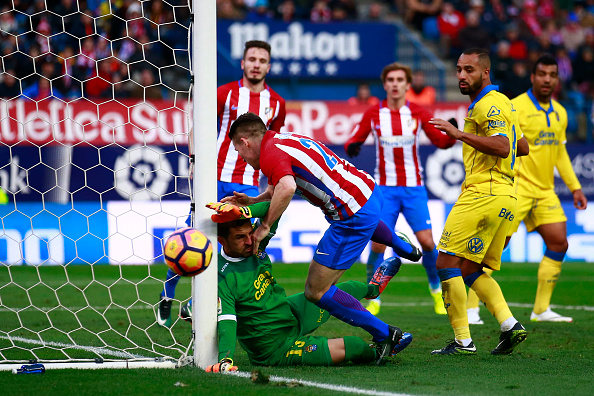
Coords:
224,229
396,66
546,60
247,124
483,56
257,44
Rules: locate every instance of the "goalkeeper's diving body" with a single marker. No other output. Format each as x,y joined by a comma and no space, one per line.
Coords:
253,308
350,201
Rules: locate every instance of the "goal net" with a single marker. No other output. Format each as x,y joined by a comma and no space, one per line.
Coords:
94,175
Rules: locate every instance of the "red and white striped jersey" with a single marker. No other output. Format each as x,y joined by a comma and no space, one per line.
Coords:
233,100
396,142
324,179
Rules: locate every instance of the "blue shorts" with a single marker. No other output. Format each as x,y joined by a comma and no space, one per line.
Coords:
411,201
226,189
344,241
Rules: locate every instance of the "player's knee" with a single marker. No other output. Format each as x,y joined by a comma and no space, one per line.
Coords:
560,245
312,295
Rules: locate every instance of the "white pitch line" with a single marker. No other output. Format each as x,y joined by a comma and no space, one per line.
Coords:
97,350
337,388
511,304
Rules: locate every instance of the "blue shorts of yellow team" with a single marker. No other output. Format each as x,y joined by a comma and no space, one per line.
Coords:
537,211
411,202
477,226
344,241
226,189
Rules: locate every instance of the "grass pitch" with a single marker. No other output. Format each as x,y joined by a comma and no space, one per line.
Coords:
556,357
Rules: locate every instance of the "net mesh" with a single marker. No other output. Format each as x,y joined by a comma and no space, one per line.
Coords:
94,120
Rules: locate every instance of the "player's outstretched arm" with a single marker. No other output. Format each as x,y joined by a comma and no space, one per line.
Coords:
497,145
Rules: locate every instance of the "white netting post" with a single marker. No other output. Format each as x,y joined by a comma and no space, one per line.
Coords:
204,66
94,124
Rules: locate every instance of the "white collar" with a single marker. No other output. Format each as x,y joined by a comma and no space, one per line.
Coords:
232,259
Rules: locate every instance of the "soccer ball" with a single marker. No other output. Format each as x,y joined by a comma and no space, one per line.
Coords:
187,252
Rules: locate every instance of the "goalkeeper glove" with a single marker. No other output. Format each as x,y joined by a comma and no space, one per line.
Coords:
228,212
353,149
225,364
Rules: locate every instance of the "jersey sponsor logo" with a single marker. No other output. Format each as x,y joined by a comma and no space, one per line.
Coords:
493,111
475,245
261,284
546,139
322,253
506,214
311,348
494,124
397,141
224,267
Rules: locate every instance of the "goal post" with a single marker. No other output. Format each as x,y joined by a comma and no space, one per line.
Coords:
95,119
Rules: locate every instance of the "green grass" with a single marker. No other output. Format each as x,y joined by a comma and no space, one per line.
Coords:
556,357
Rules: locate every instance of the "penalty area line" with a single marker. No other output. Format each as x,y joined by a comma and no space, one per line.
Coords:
337,388
511,304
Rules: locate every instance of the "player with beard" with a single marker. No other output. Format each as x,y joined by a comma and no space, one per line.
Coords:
250,94
543,122
475,230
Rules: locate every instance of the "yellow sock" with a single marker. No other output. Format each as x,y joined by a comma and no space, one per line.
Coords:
548,273
473,300
454,299
488,290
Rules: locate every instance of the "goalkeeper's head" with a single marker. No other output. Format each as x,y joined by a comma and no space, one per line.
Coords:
247,133
236,237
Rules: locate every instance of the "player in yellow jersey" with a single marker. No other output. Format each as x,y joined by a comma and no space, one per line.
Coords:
475,230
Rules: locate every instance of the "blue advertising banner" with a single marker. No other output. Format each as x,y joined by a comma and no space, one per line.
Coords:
53,234
309,50
59,173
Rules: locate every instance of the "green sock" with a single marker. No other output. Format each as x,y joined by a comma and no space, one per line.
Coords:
358,351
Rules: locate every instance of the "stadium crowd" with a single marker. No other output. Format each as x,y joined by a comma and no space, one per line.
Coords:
63,41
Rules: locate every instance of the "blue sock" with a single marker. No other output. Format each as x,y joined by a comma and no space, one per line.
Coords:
347,308
429,258
384,235
170,284
373,262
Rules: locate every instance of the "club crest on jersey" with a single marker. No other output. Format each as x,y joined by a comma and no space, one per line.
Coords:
269,112
311,348
475,245
261,255
412,123
493,111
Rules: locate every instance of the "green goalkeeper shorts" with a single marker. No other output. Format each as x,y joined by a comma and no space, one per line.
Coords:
306,351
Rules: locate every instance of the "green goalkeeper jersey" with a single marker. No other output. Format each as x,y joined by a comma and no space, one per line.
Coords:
252,307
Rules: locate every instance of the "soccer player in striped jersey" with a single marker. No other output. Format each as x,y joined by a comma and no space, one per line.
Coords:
395,123
249,94
350,201
474,233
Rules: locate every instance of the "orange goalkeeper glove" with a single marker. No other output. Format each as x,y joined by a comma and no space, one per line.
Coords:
228,212
225,364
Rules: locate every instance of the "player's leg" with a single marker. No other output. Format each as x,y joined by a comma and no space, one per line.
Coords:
472,304
549,269
166,299
320,351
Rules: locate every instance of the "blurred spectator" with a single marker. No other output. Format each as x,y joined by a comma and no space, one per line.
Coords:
545,10
226,9
287,11
552,31
501,64
364,96
69,81
147,88
346,8
9,87
529,18
573,34
583,71
519,81
449,23
518,50
85,62
375,11
100,82
8,23
564,66
320,13
420,93
473,35
418,10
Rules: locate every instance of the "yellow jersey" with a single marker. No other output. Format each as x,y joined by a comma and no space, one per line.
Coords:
544,128
490,114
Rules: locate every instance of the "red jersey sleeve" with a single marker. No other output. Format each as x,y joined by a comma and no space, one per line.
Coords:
437,137
279,121
274,163
361,130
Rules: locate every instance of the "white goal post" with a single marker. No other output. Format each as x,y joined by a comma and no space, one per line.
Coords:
96,110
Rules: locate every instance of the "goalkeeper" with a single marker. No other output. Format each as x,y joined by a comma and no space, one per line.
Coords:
272,328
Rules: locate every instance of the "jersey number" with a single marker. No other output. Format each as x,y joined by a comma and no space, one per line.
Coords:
328,159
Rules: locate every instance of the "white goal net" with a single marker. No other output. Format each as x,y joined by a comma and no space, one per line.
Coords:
94,174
